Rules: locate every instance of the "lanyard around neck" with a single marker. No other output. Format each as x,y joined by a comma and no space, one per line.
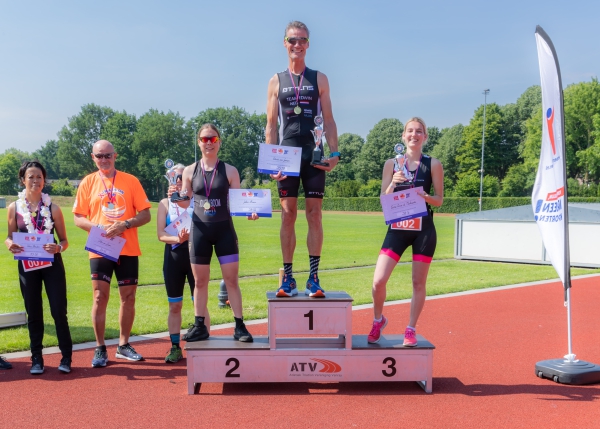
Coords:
208,188
111,195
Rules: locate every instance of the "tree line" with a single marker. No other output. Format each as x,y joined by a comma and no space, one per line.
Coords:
512,147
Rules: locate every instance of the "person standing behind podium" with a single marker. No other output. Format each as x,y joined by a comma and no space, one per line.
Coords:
176,262
34,212
116,202
426,171
295,97
209,180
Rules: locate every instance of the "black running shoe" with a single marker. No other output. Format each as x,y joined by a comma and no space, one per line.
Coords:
196,333
100,358
37,364
127,351
65,365
242,334
4,364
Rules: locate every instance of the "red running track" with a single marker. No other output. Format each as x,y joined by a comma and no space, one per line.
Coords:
487,345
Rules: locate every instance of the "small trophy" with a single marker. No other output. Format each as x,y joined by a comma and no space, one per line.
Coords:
171,176
400,164
319,136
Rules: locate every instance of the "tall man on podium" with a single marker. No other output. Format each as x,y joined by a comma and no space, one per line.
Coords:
295,97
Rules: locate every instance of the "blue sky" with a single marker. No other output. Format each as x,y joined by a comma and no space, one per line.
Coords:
383,58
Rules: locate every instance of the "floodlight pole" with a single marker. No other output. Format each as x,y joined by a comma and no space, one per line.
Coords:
485,93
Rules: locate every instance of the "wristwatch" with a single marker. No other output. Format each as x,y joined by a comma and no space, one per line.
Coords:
339,155
127,224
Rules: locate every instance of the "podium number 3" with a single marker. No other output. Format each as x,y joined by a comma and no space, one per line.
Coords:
391,366
310,320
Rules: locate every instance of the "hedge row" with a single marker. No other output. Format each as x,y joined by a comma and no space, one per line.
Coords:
371,204
451,204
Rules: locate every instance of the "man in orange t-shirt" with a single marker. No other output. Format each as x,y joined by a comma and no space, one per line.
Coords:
116,202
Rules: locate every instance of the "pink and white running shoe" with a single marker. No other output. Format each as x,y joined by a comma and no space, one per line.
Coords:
375,334
410,338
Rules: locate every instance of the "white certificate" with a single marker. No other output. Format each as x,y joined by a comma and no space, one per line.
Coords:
244,202
403,205
183,221
98,243
273,158
32,245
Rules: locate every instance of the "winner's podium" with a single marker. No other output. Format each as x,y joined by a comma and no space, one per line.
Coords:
310,340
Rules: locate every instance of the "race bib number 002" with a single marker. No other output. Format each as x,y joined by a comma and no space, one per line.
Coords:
409,224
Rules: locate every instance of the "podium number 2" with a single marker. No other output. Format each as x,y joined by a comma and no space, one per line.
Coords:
310,320
391,366
236,365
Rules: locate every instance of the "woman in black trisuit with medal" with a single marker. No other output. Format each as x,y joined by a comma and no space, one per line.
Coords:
420,234
210,180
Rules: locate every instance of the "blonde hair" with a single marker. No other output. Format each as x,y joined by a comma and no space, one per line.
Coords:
420,121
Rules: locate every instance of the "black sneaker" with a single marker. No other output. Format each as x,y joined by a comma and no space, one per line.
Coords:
242,334
100,358
65,365
196,333
127,351
37,364
4,364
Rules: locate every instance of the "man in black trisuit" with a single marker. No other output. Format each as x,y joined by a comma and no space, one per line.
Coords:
295,96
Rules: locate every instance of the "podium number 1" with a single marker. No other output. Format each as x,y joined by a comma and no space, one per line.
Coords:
310,320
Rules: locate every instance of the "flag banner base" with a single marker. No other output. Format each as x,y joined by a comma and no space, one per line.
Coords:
568,372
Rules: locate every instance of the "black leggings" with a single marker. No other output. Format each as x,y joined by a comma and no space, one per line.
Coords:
176,270
56,288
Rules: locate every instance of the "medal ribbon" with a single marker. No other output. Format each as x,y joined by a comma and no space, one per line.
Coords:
176,207
111,198
297,90
417,171
39,228
207,188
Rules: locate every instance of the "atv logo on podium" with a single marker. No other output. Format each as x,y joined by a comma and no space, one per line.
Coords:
316,369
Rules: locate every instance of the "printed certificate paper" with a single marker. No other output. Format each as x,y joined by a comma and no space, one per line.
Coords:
403,205
273,158
32,246
183,221
110,248
244,202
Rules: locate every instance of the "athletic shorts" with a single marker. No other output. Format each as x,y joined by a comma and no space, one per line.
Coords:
205,235
126,270
423,242
313,179
176,270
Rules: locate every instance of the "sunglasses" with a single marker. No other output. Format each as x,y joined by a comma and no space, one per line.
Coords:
297,40
212,139
178,177
103,155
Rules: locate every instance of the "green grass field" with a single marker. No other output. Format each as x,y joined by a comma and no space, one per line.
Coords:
351,241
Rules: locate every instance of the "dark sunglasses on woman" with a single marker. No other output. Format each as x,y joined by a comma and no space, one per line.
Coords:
212,139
